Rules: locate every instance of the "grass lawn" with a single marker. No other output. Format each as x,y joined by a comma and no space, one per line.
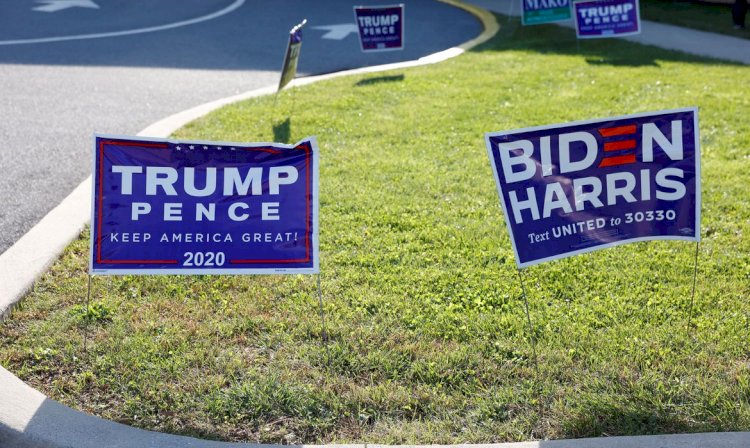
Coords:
712,17
428,337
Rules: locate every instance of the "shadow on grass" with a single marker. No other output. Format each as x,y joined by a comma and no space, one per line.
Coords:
617,62
379,79
282,131
611,419
554,39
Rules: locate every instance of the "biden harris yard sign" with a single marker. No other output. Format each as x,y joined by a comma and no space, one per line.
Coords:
381,28
191,207
577,187
606,18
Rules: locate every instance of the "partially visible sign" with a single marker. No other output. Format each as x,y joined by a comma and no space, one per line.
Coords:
381,28
577,187
291,57
544,11
191,207
607,18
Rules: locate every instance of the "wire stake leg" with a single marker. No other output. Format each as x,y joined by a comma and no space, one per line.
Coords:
692,295
324,333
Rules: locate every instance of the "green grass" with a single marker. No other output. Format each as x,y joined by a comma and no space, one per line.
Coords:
427,331
711,17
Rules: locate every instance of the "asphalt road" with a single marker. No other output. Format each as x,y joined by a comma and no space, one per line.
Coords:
115,66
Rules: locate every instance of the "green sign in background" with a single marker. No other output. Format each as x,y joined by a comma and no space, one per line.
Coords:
542,14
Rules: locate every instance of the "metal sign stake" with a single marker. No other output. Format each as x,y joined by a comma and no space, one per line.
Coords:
533,346
528,321
692,295
324,333
86,317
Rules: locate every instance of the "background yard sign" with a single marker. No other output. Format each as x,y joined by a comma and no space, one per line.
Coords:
381,28
192,207
291,57
544,11
571,188
607,18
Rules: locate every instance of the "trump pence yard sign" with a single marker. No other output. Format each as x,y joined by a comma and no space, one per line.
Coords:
607,18
381,28
577,187
191,207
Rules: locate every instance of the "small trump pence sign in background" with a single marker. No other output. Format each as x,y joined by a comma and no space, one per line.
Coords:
381,28
607,18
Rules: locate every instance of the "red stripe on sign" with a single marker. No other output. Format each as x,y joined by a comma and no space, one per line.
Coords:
308,194
270,150
101,199
622,144
617,160
620,130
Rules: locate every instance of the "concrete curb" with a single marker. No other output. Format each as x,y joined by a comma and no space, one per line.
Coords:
28,419
30,256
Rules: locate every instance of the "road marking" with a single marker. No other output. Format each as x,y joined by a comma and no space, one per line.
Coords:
59,5
151,29
337,32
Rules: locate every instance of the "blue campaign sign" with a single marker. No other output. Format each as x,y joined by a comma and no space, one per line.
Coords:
572,188
607,18
192,207
381,28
